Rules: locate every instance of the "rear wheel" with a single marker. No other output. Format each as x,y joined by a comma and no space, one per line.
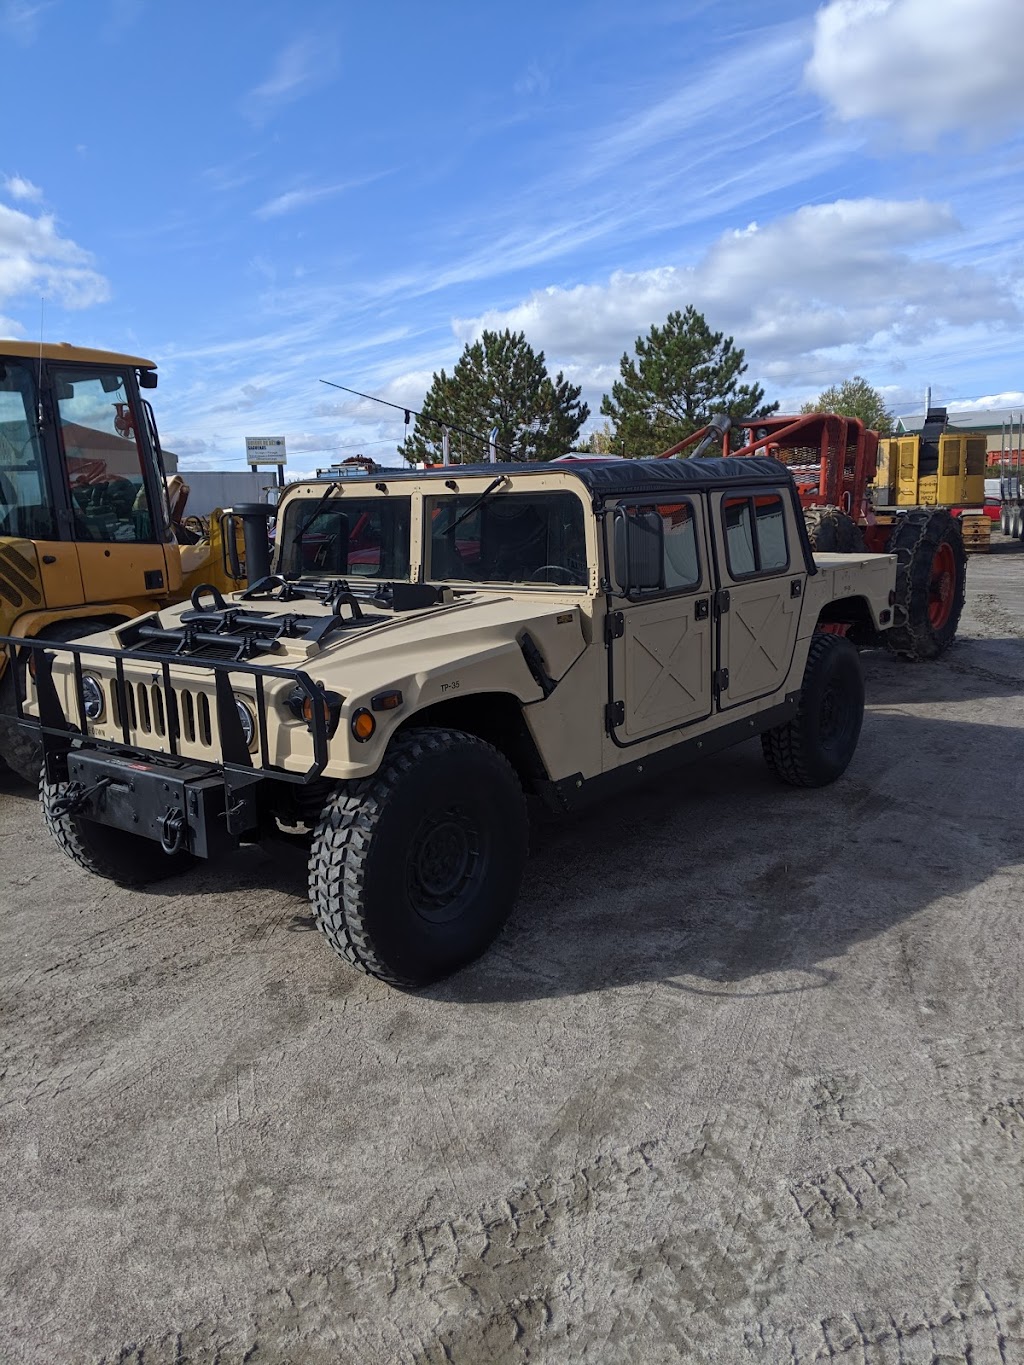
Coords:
126,859
931,583
830,531
413,871
816,746
1004,520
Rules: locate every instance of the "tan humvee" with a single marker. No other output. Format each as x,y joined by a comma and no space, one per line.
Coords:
431,647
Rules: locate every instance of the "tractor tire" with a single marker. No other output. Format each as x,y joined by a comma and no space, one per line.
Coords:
113,854
20,750
831,531
816,746
931,584
414,870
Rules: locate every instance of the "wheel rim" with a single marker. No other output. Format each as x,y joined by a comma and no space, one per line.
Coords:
445,866
941,586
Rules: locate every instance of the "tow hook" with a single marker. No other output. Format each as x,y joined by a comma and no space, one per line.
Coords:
75,796
172,828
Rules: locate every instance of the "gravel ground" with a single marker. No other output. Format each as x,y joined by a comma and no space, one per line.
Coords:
742,1081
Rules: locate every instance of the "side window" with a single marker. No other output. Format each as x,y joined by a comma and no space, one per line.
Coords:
103,458
755,534
26,508
681,557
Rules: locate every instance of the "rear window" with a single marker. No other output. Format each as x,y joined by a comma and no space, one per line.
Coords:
346,538
755,534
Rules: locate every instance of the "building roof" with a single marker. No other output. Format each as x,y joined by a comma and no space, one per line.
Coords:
975,419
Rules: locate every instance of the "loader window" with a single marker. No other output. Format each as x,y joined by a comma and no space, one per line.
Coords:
755,534
26,507
348,538
103,457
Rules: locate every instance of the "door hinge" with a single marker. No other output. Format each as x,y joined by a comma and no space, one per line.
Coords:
721,601
701,609
614,714
720,681
614,626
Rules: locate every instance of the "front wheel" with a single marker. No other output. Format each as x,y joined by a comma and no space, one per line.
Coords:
413,871
816,746
127,859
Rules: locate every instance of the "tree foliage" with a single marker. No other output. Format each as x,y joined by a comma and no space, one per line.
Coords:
855,398
498,381
683,374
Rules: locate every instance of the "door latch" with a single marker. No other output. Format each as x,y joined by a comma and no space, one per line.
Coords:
702,609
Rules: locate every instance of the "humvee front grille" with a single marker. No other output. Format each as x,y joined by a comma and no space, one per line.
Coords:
147,714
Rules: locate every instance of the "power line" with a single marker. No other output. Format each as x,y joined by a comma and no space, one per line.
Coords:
422,417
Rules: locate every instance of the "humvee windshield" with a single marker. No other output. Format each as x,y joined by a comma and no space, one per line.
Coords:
508,538
349,538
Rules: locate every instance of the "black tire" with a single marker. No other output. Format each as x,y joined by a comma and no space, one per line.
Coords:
831,531
931,583
413,871
127,859
19,748
816,746
1004,520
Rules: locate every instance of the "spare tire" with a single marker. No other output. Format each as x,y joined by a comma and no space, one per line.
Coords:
831,531
931,583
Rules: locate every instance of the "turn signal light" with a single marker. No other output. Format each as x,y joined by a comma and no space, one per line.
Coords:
386,701
363,725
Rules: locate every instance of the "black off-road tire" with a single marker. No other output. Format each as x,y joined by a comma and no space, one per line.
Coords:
831,531
127,859
931,583
413,871
816,746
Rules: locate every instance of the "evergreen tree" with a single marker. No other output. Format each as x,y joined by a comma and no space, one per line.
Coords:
683,374
498,381
855,398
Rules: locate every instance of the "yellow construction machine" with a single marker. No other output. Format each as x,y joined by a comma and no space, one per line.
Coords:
88,534
938,468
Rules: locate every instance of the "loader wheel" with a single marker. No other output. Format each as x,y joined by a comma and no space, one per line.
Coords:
931,583
127,859
816,746
831,531
413,871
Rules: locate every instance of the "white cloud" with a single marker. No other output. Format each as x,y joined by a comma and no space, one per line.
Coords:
928,66
35,259
20,188
20,18
803,295
294,200
303,65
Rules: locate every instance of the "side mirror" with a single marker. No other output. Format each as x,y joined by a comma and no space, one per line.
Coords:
639,550
147,379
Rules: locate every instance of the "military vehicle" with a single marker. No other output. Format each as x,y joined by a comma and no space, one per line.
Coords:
428,648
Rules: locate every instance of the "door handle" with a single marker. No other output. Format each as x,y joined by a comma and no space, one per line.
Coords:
702,609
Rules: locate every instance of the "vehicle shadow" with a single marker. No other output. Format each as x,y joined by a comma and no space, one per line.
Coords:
969,670
12,785
719,877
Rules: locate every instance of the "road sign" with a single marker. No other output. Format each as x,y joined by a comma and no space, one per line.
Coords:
265,450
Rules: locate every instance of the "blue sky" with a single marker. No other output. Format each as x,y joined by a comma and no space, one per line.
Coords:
259,197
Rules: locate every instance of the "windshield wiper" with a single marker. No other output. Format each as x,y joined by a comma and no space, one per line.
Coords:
491,487
315,513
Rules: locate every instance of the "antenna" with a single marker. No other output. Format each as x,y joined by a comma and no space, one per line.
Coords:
446,427
39,376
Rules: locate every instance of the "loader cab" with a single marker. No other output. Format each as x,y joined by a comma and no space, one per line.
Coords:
81,479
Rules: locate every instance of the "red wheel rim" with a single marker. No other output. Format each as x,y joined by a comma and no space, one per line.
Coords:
941,586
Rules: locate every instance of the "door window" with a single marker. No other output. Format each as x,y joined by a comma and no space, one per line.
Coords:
755,534
26,508
103,457
681,557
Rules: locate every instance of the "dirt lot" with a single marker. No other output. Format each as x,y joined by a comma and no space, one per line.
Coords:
743,1080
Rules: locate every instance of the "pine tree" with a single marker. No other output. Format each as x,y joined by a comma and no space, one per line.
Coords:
498,381
683,374
854,398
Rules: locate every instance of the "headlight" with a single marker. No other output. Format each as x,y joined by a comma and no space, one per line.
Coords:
248,722
92,697
301,704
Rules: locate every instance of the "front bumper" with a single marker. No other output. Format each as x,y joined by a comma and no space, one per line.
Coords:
186,807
